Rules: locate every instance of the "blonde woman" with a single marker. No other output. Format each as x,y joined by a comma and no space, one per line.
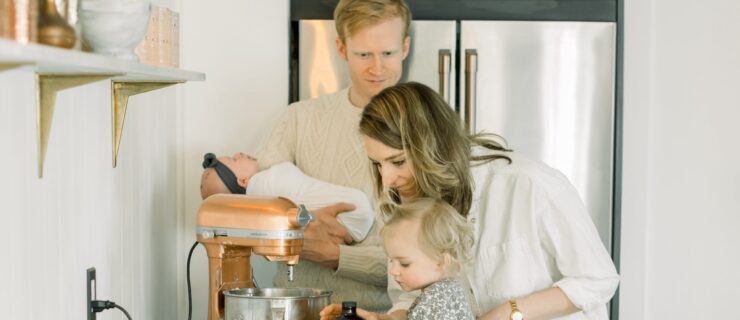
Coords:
537,254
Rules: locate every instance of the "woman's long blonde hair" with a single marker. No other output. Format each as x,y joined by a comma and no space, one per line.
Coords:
413,118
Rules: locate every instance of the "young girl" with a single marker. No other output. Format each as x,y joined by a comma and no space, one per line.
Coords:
427,242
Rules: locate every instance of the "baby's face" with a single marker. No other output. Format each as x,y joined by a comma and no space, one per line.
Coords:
244,166
408,264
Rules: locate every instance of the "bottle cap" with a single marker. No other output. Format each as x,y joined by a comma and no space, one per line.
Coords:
349,304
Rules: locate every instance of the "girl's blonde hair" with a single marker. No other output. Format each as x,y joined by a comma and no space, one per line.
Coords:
443,231
352,15
414,118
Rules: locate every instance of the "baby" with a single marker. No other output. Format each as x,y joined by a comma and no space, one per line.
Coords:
427,243
240,174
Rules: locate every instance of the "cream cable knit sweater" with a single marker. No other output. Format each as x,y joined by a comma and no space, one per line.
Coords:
321,137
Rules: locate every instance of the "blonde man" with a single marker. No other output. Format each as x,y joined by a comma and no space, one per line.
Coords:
320,136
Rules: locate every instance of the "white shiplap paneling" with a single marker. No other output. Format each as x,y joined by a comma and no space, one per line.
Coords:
84,213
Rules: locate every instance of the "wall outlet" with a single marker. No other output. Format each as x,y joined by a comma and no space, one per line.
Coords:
91,295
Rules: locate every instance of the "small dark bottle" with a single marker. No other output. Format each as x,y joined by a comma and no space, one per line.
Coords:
349,311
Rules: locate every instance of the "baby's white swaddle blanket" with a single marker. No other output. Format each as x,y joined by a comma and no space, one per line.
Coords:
286,180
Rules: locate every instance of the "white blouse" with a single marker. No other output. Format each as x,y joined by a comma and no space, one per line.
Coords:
532,232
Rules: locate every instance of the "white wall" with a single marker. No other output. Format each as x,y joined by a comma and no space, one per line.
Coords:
242,46
84,213
681,205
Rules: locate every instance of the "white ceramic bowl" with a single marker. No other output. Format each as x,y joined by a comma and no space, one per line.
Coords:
114,27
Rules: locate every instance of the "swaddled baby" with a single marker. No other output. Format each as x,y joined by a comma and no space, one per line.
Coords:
240,174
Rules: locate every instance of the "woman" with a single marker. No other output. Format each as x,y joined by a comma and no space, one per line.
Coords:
537,255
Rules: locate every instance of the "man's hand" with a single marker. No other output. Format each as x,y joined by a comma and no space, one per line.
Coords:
324,234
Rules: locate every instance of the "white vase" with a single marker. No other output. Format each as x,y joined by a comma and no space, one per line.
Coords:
114,27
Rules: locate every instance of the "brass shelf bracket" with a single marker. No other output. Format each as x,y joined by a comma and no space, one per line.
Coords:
47,86
122,90
8,66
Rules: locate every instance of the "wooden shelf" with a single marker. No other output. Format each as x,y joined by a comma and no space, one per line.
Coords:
60,69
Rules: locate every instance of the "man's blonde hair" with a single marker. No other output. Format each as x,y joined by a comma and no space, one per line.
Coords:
442,230
352,15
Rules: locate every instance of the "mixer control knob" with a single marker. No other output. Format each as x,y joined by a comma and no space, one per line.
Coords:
304,216
206,234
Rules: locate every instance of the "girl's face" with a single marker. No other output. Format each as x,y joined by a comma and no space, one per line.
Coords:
408,265
393,165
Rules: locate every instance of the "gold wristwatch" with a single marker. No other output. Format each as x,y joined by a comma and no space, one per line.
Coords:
515,313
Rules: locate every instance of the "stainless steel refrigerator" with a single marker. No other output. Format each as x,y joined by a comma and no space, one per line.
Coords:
546,87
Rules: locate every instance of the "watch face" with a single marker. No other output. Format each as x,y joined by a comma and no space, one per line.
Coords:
516,315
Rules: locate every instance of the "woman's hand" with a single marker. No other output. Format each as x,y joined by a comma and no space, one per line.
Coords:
324,234
500,312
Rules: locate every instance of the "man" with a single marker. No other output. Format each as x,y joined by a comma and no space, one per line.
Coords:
321,137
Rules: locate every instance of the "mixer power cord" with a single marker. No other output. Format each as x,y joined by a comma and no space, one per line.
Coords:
190,297
100,305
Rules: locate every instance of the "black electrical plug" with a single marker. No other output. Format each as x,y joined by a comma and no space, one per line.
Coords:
100,305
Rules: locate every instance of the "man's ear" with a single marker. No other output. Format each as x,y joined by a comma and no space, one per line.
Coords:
406,46
341,48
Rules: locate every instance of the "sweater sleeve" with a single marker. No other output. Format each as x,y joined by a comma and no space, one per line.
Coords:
363,263
281,144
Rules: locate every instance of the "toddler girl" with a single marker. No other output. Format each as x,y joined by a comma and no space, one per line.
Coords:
427,243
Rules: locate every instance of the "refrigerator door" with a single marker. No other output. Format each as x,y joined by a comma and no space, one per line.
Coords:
322,71
548,89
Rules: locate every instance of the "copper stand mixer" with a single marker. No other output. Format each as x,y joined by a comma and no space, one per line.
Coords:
231,227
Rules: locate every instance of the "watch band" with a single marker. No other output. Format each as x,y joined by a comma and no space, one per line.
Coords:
516,314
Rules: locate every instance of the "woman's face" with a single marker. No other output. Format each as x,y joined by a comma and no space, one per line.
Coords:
393,165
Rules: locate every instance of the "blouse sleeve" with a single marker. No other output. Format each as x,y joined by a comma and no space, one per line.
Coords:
568,234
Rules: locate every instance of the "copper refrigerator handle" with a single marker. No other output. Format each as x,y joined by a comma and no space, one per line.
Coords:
471,71
445,63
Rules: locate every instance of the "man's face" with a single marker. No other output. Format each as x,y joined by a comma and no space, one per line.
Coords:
374,56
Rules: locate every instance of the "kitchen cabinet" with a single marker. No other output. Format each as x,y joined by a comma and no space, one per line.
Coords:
59,69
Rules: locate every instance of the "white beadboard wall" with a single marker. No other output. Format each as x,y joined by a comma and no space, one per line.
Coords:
84,213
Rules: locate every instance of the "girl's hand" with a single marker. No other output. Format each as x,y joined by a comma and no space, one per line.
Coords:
331,311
